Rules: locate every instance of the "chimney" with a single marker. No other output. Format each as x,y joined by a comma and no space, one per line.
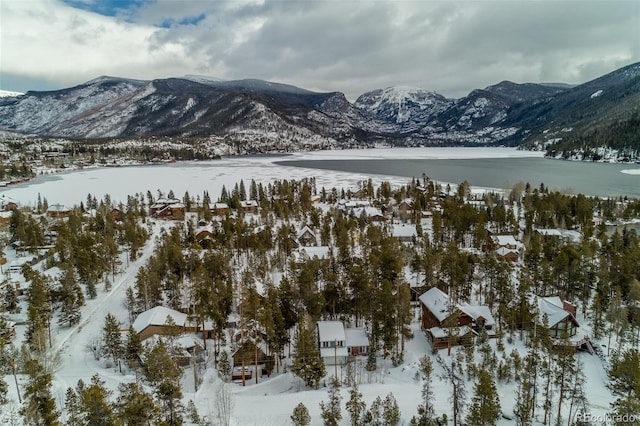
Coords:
570,307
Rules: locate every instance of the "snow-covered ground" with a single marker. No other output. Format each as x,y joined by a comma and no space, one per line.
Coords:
271,401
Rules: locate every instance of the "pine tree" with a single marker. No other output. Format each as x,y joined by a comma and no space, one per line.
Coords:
576,392
4,389
391,411
10,301
307,363
135,407
374,415
70,294
524,399
39,309
169,395
485,405
426,411
133,347
564,369
96,408
72,408
111,338
624,383
158,365
331,412
355,405
300,416
224,366
39,407
191,413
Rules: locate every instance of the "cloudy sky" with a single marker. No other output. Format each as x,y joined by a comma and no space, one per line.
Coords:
351,46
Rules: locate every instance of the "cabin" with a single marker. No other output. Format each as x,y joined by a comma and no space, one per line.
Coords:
247,352
306,237
303,254
332,342
449,324
249,206
5,216
116,214
154,322
7,203
204,234
561,316
360,194
185,350
168,209
566,235
58,211
370,214
405,207
405,233
507,254
220,209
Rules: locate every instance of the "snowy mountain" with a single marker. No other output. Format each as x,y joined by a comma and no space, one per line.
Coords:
582,112
409,108
266,116
6,93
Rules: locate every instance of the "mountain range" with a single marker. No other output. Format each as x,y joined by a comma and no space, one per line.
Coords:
267,116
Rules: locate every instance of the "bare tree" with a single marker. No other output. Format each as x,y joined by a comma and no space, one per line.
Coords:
223,404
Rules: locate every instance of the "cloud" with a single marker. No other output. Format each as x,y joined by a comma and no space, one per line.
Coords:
324,45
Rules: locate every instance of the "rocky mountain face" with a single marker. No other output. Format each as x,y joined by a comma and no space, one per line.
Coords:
265,116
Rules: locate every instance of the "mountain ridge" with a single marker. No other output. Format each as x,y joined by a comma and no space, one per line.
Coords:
284,117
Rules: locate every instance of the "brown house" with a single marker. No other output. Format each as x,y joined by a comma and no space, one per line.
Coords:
442,320
169,209
5,216
249,206
116,214
508,254
307,237
154,322
58,211
561,316
405,206
449,324
220,209
204,233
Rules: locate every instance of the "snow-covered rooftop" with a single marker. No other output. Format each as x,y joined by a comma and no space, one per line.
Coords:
331,331
356,337
158,316
552,306
437,302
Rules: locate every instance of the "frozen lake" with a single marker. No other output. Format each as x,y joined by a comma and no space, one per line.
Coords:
482,167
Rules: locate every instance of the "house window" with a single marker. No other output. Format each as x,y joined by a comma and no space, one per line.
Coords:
362,349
